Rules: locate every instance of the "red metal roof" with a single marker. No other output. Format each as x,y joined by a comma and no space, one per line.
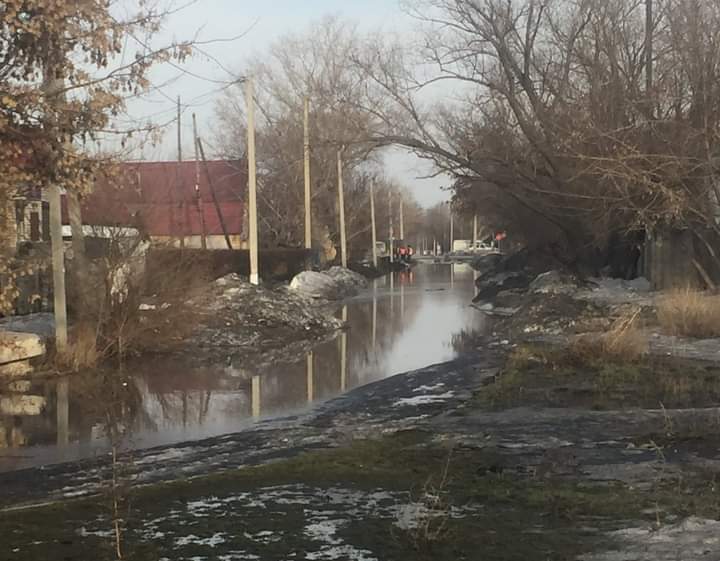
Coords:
161,197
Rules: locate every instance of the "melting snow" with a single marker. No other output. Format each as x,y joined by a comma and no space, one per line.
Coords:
423,399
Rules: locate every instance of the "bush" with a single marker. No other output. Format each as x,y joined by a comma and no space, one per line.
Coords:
623,342
126,308
690,313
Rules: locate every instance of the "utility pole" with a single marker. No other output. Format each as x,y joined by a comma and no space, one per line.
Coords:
648,47
402,220
198,196
52,86
252,181
372,220
308,195
177,171
452,231
179,129
341,203
474,232
392,230
58,266
214,196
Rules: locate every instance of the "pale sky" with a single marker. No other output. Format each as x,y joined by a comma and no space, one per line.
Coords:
264,22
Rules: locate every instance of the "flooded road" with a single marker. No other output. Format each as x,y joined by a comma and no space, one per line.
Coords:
403,322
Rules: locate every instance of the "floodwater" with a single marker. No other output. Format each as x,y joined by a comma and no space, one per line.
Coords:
403,322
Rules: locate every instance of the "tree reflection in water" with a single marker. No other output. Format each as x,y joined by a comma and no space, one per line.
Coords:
402,322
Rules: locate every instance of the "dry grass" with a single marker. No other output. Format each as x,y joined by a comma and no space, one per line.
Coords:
82,350
690,313
623,342
126,308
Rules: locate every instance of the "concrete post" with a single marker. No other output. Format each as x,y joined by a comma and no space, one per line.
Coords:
341,204
372,220
58,265
252,182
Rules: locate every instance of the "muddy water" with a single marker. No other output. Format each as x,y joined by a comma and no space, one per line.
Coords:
403,322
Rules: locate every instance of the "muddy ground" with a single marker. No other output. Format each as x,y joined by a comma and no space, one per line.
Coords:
508,453
518,450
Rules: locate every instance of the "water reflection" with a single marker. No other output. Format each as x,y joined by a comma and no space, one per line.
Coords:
405,321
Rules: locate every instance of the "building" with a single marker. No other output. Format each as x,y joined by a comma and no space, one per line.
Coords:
168,203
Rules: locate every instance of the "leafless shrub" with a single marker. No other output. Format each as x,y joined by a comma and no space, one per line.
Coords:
690,313
129,308
624,342
427,524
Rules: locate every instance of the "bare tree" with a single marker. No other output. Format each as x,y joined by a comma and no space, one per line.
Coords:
315,65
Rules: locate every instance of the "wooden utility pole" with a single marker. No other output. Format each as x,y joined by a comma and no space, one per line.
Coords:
178,187
214,196
198,195
179,129
372,221
308,195
341,203
252,181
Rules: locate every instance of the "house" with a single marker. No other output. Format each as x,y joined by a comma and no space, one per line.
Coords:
169,204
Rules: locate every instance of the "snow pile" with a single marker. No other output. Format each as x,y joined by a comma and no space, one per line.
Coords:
241,314
335,284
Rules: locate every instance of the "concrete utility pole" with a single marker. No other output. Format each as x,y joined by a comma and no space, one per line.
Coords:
372,220
58,265
252,182
308,195
198,196
392,230
648,47
51,86
341,203
452,231
474,237
310,377
255,397
402,220
343,352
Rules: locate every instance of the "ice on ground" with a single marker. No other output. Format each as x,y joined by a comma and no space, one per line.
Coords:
341,552
692,539
433,388
424,399
324,531
212,541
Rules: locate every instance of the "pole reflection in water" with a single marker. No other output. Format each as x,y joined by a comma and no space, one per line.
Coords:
374,314
476,275
343,352
392,296
255,398
62,393
310,360
173,399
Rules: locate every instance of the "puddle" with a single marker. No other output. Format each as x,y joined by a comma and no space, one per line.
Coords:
403,322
